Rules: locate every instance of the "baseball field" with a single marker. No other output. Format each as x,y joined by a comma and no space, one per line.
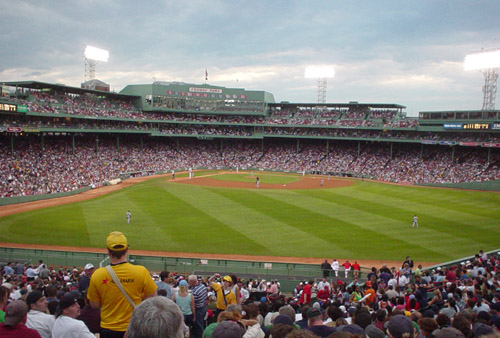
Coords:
288,215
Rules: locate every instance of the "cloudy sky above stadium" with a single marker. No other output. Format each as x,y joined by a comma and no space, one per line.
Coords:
405,52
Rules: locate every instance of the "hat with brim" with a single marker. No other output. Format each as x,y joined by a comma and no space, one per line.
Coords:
33,297
228,329
15,312
374,332
66,301
313,312
116,241
400,326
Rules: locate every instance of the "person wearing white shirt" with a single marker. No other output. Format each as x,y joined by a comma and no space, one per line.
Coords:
323,283
31,273
335,267
402,281
66,326
38,317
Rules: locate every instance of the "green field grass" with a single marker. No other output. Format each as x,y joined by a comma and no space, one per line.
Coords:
367,220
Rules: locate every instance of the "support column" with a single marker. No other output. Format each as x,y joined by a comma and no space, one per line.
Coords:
359,148
453,154
421,150
42,143
298,145
12,145
489,153
391,152
117,142
97,144
73,144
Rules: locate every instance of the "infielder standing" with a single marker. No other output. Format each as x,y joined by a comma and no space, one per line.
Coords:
415,222
128,215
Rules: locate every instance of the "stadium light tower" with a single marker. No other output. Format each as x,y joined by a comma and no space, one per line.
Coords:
320,73
488,63
92,56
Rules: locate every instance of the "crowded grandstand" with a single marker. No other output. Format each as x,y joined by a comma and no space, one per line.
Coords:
56,138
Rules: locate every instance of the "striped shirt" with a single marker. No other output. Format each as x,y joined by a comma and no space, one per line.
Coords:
200,295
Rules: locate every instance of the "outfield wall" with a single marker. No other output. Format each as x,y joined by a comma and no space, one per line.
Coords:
485,186
32,198
288,274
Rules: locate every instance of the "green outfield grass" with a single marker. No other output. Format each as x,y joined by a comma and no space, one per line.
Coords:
367,220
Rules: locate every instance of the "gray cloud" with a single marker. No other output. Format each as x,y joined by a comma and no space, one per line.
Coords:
384,51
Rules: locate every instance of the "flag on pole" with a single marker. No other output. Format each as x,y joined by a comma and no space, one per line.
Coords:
206,74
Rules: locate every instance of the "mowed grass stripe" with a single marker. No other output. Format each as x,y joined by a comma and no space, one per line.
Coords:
439,219
57,226
276,237
394,232
481,203
108,213
443,231
199,229
346,238
441,211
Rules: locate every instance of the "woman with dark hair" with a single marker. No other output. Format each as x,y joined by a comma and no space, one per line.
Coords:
427,326
235,288
463,324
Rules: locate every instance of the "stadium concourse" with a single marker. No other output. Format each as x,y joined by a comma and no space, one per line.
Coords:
461,300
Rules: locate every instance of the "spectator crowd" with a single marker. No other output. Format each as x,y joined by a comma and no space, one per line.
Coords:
63,163
405,301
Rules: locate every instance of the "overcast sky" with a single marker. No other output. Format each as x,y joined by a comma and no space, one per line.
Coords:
404,52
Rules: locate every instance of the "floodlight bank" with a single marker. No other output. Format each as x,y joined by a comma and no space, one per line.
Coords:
96,54
314,72
480,61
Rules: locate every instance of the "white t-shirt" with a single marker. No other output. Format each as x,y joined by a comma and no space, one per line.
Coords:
67,327
42,322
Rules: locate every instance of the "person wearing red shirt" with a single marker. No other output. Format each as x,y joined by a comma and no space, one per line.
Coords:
324,295
305,297
347,268
16,314
355,269
451,276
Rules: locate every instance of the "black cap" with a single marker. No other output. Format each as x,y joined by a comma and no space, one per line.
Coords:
66,301
33,297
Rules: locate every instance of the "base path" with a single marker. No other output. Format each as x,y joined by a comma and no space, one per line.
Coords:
307,182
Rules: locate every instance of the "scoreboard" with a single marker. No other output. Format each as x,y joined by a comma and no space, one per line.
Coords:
8,107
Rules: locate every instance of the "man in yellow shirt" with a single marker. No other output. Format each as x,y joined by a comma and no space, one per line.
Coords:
225,296
104,293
